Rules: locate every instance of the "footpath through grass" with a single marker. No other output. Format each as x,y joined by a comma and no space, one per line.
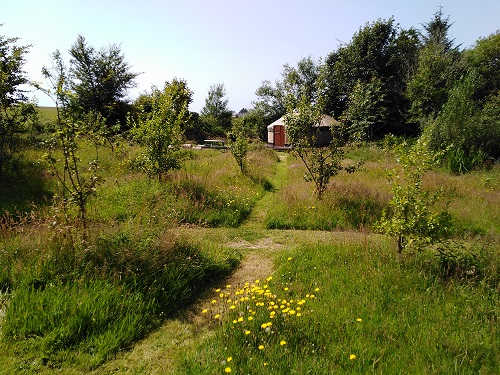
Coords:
336,302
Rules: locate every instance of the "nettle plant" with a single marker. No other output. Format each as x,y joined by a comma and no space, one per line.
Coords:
414,217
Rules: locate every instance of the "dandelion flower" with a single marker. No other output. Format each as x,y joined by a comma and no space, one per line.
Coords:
204,311
352,357
316,290
240,319
217,316
261,347
359,319
285,289
290,258
247,332
282,342
229,359
232,307
227,369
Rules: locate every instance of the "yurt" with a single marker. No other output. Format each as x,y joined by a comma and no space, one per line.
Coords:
278,138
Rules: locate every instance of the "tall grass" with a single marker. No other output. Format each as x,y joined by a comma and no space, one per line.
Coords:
351,202
370,313
101,298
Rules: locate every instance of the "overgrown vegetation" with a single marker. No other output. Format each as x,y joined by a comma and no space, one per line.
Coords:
346,306
95,256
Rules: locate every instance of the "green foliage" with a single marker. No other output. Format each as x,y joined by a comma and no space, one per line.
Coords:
376,63
388,302
322,162
100,80
100,299
238,143
366,108
463,261
471,133
484,58
77,178
215,115
414,217
160,130
14,112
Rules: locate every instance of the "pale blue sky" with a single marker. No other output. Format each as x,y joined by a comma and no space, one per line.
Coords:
238,43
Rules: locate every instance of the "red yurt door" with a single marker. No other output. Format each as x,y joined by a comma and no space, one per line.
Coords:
279,135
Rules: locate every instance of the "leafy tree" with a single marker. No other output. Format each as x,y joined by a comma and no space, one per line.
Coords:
322,162
160,130
379,52
271,102
100,80
484,58
215,115
437,70
414,217
78,179
366,107
14,111
238,142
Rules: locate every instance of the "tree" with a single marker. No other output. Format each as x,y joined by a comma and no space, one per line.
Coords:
437,32
379,52
366,108
215,115
238,142
100,80
79,179
414,217
437,71
160,131
322,162
484,58
14,111
271,102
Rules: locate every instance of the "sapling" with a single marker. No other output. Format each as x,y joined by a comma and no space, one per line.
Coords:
414,216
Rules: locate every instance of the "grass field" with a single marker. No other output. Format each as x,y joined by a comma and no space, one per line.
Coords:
312,288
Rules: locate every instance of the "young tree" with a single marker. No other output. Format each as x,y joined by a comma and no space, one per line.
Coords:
13,108
414,217
215,115
100,80
322,162
238,142
79,179
160,131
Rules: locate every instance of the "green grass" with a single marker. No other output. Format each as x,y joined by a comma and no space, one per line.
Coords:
392,316
70,302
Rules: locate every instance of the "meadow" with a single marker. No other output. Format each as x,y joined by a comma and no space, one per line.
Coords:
154,286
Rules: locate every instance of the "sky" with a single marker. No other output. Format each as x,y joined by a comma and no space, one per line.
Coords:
206,42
